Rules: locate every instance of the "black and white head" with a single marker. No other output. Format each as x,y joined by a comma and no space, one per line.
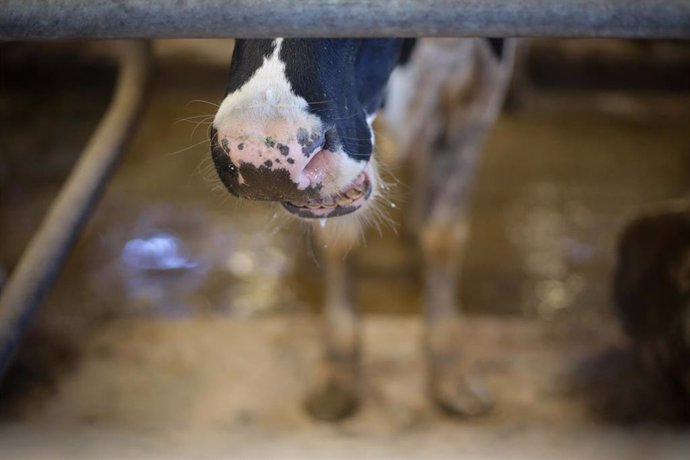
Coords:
295,124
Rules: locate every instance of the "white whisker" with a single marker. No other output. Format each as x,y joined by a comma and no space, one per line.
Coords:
201,101
189,147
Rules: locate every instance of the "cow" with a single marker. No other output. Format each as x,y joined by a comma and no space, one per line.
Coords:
295,127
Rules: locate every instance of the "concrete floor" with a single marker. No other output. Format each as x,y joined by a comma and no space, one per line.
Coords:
210,355
214,387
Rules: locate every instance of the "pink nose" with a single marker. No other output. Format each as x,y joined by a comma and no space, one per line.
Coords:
275,168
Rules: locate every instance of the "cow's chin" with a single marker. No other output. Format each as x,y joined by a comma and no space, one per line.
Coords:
350,199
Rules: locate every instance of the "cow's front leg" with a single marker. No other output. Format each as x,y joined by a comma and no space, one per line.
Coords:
336,394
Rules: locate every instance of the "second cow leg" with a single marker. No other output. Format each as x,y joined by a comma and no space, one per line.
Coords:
336,394
468,109
454,381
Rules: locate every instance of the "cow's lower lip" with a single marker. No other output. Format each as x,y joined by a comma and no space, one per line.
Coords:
345,202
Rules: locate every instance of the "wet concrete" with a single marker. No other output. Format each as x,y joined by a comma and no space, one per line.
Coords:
213,387
154,316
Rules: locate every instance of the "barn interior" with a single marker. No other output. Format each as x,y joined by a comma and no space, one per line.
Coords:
184,324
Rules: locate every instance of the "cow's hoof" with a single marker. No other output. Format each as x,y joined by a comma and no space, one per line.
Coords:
461,396
332,402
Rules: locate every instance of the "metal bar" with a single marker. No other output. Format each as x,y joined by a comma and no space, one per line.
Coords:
48,249
56,19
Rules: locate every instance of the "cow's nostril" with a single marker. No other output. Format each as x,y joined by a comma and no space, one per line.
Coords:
330,141
310,143
226,145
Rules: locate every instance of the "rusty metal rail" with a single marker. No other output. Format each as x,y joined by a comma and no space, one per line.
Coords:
54,19
50,246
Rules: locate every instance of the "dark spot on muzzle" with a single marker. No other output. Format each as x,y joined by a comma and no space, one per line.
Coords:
284,149
225,169
310,142
267,184
331,141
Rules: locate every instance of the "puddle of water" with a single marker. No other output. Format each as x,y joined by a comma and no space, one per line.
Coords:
187,259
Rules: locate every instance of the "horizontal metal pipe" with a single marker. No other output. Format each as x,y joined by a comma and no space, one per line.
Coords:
56,19
49,247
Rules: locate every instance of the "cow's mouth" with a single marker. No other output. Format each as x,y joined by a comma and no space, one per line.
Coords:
344,202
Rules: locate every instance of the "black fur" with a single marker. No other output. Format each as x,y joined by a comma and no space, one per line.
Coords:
408,46
497,47
342,80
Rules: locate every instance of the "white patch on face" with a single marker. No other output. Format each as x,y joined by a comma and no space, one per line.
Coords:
370,122
266,93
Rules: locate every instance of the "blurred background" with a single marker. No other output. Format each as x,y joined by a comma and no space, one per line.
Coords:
184,326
